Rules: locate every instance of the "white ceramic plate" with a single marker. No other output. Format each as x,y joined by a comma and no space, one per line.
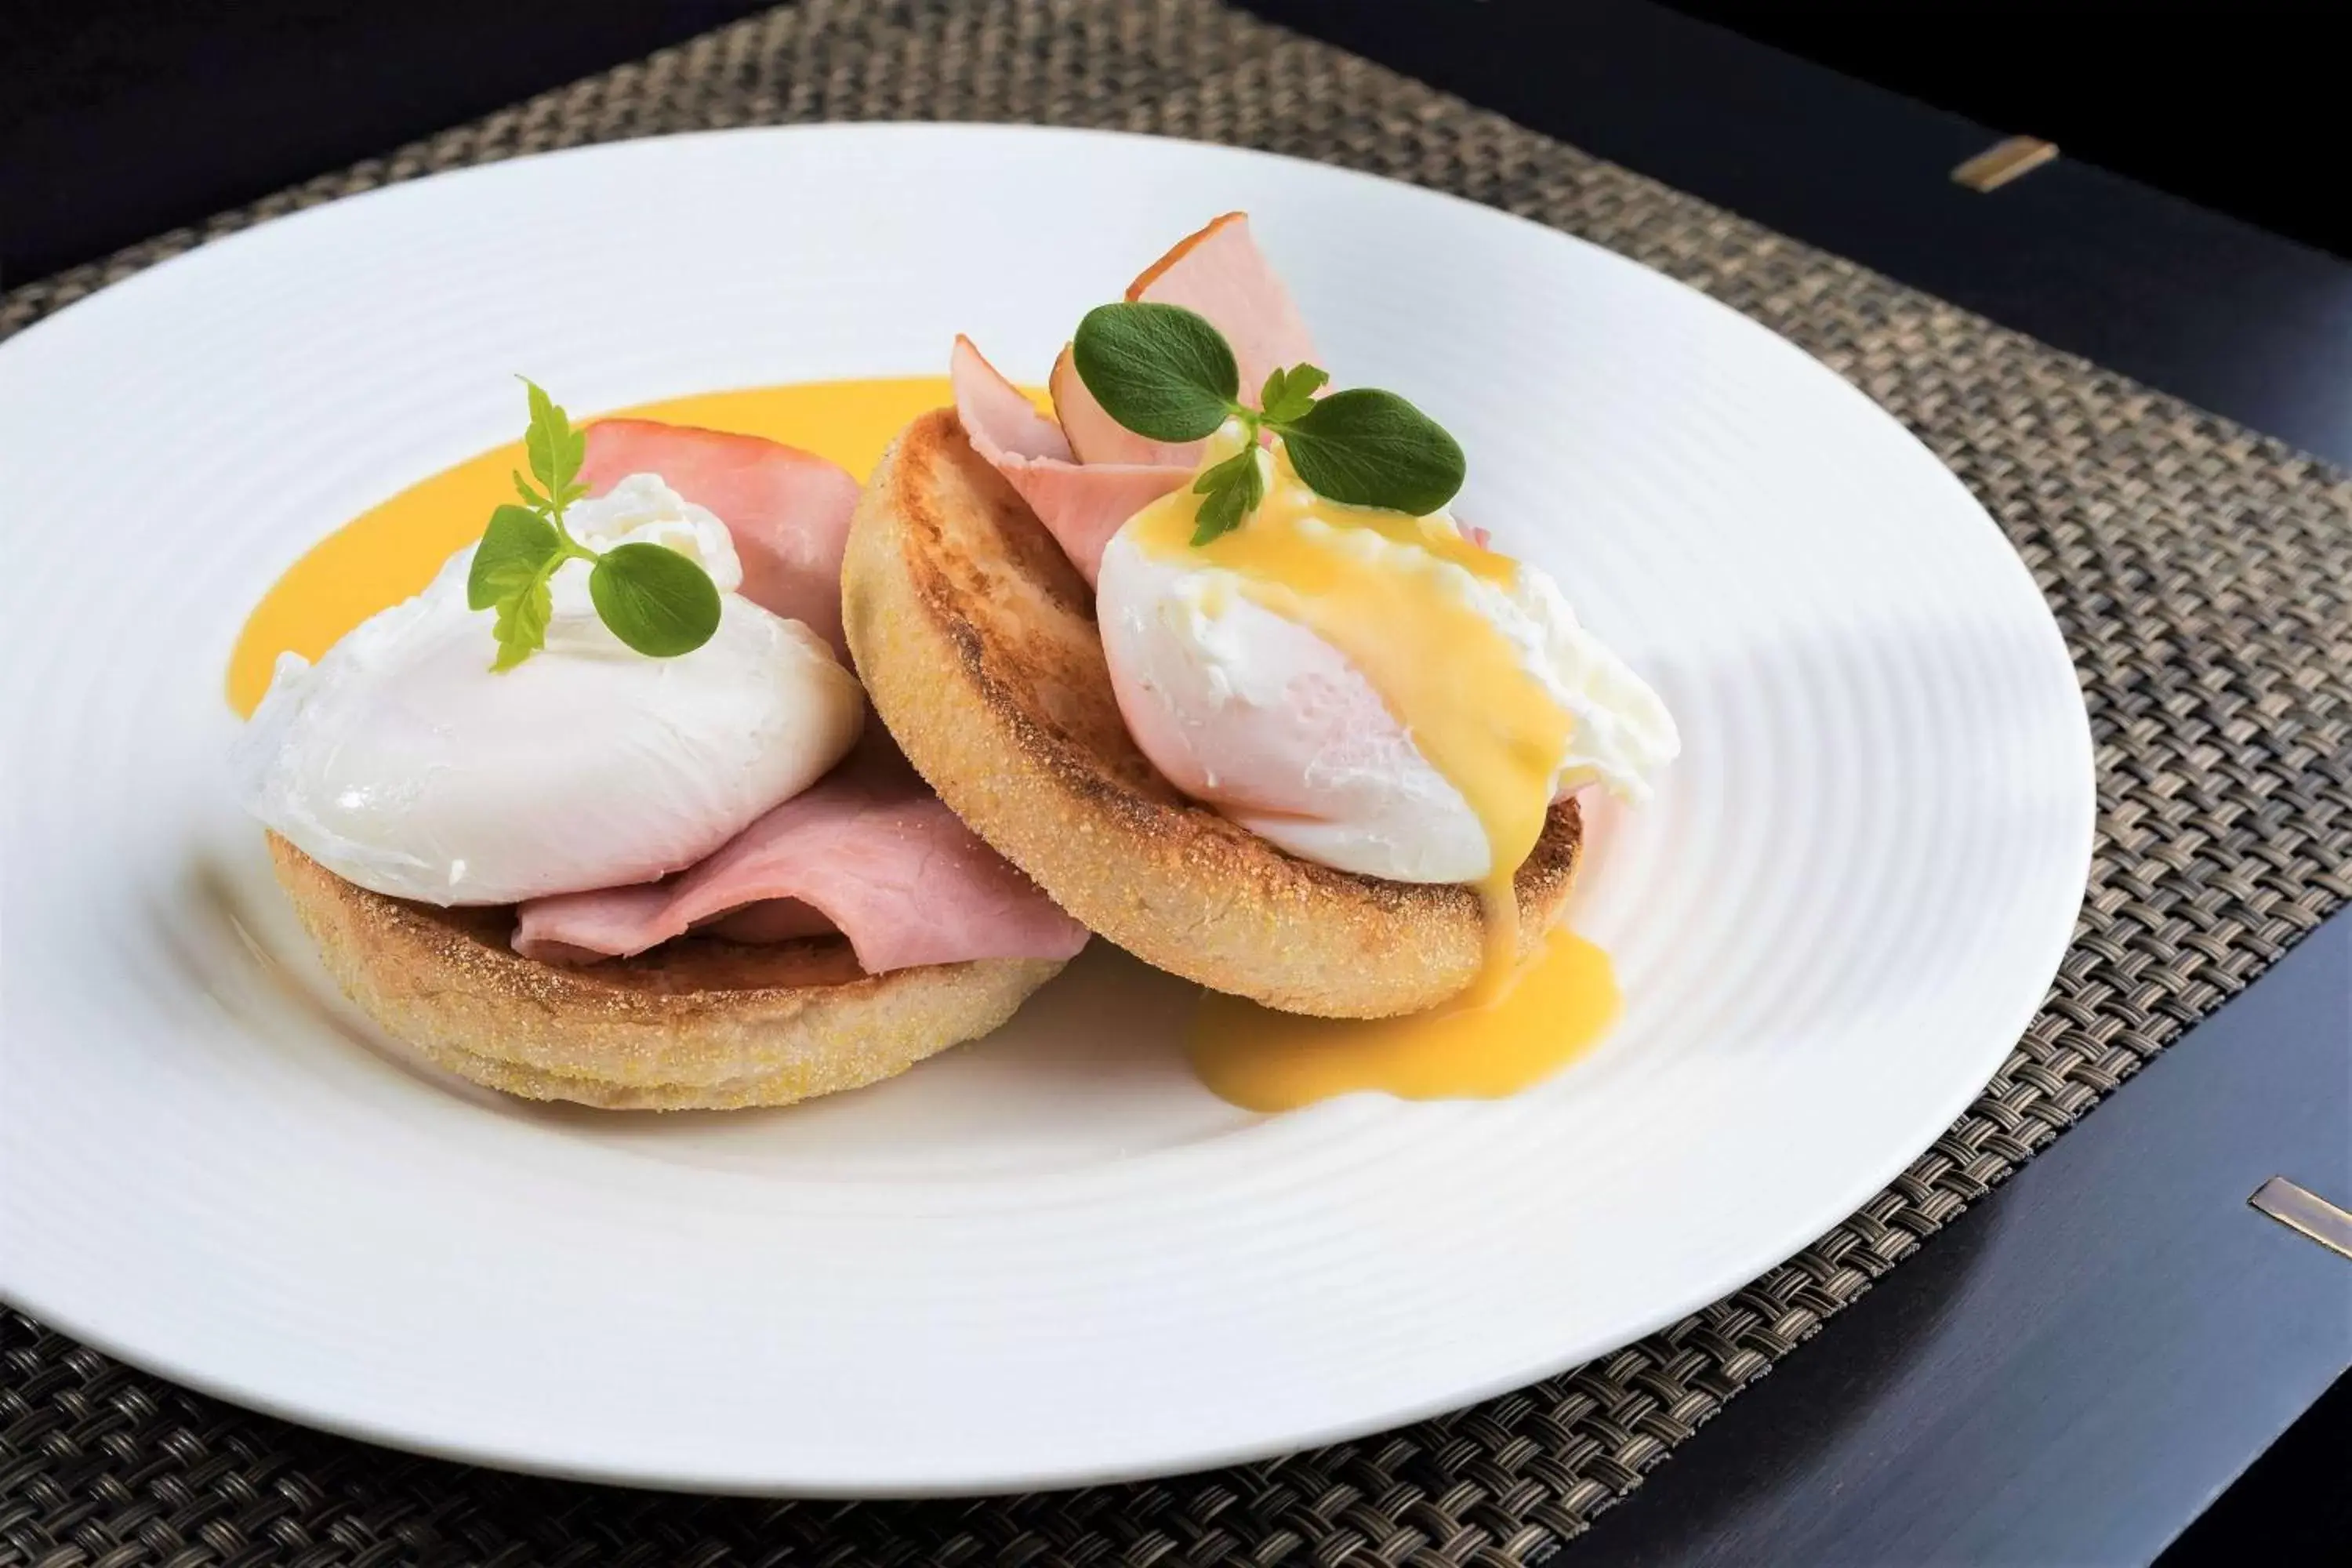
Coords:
1052,1258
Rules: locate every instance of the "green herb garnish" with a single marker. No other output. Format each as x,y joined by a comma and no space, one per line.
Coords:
1232,491
1160,370
654,599
1164,371
1366,448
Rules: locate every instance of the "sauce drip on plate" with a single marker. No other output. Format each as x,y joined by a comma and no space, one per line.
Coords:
1548,1012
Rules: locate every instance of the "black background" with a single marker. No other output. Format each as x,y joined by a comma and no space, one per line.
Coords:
2238,107
123,118
119,117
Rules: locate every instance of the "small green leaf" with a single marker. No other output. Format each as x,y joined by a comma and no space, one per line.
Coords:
1233,489
1160,370
1270,395
522,626
554,448
1224,511
1289,394
530,498
1366,448
654,599
515,549
1217,476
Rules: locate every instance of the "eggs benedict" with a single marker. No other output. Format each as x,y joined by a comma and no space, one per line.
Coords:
599,815
1228,678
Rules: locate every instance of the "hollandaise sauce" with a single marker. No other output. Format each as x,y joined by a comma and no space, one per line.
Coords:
1388,591
1395,594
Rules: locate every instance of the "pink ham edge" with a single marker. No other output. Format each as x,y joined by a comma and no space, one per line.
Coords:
1086,475
1081,505
787,510
1220,273
868,848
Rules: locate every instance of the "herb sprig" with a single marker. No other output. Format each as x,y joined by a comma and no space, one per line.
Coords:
1164,373
656,600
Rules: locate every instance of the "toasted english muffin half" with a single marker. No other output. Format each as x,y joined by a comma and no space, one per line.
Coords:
976,640
696,1024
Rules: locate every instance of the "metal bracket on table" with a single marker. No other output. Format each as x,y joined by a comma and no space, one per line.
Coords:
2004,161
2305,1212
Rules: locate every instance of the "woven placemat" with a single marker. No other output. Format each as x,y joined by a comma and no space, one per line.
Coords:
2202,576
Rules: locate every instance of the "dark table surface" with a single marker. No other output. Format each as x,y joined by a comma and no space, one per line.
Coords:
2073,1372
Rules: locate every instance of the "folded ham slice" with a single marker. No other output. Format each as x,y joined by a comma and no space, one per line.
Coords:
1217,272
868,851
1081,504
788,509
1088,474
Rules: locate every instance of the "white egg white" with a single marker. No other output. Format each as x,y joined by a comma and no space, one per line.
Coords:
1261,718
403,763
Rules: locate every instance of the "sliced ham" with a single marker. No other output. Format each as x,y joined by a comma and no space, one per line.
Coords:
1218,273
868,851
1086,474
1081,504
788,509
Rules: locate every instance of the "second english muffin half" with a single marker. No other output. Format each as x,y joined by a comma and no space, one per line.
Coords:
976,640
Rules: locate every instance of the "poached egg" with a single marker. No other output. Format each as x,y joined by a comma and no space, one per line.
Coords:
1369,690
401,763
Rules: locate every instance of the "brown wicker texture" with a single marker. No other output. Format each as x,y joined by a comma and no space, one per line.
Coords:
2202,574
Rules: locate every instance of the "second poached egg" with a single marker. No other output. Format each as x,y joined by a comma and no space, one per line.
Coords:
1243,704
